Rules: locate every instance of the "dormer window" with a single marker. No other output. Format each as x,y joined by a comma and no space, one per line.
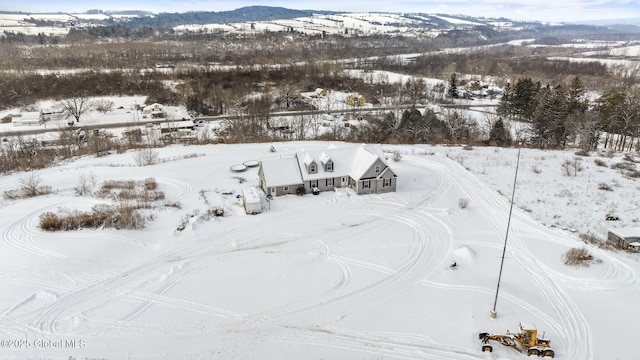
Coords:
310,164
328,166
327,163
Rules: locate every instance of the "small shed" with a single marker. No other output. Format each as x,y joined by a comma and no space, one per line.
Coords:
624,238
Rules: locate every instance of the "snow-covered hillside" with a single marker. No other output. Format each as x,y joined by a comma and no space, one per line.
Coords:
363,23
337,275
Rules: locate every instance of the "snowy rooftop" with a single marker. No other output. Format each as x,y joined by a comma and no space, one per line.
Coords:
626,232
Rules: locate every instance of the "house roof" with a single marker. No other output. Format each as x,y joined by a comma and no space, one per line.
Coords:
365,157
627,232
281,172
177,124
353,161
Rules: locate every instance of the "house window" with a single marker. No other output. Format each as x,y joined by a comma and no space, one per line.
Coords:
377,169
314,183
329,182
312,168
286,188
329,166
366,184
386,182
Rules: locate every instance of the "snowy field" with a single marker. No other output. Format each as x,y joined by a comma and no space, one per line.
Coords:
333,276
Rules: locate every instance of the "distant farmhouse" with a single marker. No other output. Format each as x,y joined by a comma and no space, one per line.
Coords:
154,111
361,168
36,117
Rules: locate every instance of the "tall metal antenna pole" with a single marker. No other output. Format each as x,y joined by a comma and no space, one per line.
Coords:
506,237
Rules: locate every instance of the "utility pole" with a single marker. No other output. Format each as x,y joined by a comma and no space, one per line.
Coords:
493,313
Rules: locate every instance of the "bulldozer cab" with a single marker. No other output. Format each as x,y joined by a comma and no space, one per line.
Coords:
529,335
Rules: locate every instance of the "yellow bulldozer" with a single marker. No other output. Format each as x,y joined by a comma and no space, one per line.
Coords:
525,340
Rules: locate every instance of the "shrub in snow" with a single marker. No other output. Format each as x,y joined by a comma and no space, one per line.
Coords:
30,186
572,167
600,162
535,169
85,185
146,156
590,239
396,156
144,191
604,186
629,166
463,203
576,256
104,106
121,216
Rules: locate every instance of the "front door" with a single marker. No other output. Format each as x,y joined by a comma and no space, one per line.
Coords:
273,191
343,181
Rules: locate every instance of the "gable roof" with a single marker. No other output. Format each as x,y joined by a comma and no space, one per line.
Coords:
365,158
626,232
281,172
353,161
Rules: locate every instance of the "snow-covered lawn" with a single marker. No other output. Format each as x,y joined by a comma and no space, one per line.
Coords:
333,276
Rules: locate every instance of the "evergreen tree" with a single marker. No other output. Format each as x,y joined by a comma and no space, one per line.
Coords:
499,133
524,99
549,121
520,100
504,107
452,90
577,104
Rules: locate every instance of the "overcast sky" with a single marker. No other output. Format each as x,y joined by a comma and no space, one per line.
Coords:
556,10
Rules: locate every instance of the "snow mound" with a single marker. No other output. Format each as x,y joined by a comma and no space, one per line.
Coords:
464,253
34,302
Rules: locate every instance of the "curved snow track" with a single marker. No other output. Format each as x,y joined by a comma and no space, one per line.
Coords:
350,282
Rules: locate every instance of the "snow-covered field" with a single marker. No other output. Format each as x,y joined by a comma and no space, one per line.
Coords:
333,276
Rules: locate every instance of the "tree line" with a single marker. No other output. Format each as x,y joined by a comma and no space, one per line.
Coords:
562,113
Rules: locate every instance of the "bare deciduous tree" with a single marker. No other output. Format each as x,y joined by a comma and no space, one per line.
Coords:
86,183
146,156
76,106
104,106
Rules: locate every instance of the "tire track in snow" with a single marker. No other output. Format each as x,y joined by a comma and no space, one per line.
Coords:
47,319
573,328
18,235
615,274
393,345
166,286
426,258
180,188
